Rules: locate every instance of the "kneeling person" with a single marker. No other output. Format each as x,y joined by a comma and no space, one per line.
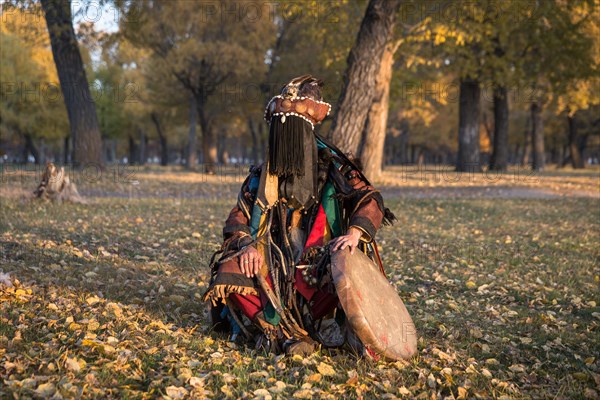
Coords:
307,200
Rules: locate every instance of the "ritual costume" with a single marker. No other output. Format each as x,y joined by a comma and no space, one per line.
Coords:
305,194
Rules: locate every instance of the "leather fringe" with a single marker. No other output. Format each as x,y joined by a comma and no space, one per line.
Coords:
221,292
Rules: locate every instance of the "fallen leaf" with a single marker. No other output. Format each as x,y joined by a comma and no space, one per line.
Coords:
278,387
176,392
303,394
262,394
45,389
325,369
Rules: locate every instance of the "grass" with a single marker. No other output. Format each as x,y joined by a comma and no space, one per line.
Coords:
105,297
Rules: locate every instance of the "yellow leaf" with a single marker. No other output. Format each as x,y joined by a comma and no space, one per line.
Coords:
303,394
262,394
476,333
93,325
326,369
74,364
517,368
590,360
462,393
580,376
226,390
175,392
278,388
45,389
92,300
353,380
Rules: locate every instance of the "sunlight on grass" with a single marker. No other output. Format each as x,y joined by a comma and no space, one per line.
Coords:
105,301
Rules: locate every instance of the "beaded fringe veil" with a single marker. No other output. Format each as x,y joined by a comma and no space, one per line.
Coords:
286,145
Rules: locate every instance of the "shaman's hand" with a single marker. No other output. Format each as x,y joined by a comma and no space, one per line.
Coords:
350,239
250,261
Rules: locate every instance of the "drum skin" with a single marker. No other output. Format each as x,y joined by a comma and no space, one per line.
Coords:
373,308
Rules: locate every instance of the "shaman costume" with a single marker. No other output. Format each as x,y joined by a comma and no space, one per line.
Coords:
306,193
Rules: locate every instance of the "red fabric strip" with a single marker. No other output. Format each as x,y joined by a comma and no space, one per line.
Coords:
315,238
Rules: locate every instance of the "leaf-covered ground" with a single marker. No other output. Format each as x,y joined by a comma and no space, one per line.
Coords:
101,300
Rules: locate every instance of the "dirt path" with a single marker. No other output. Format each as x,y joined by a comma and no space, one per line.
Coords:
483,192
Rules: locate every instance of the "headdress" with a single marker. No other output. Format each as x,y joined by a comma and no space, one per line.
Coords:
301,97
292,155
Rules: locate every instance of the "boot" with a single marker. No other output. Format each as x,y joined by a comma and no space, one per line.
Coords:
303,347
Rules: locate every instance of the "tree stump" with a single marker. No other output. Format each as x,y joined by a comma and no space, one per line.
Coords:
56,186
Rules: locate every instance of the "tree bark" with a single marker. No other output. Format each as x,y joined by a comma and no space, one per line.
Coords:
527,145
81,109
223,151
31,149
132,150
255,141
142,147
113,150
191,151
164,149
376,126
66,154
359,84
575,155
209,142
499,160
468,127
537,137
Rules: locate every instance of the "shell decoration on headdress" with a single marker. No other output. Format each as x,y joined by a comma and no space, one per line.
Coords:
301,97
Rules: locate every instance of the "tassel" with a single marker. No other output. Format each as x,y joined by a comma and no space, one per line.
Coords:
222,291
286,145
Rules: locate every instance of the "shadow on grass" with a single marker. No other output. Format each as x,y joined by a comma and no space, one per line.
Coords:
150,285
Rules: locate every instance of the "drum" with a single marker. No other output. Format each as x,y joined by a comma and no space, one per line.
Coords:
373,308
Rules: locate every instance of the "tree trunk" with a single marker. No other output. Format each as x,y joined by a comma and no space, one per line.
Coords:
364,63
527,145
31,149
223,152
191,151
81,109
468,127
376,126
487,127
164,149
142,147
209,142
132,150
113,150
499,161
537,137
255,141
576,156
66,154
404,139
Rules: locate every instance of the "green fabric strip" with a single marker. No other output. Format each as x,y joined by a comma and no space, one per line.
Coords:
271,316
255,220
332,209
